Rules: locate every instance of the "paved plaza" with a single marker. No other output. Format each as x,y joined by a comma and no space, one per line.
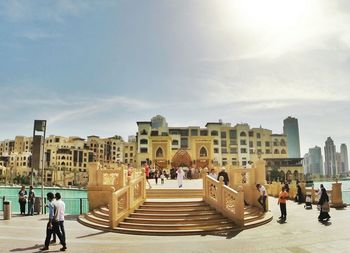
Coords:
302,233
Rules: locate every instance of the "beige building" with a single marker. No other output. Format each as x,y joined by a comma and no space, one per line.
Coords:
217,144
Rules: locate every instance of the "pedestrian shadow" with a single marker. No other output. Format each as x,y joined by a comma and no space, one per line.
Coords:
36,246
228,234
89,235
71,217
326,223
281,221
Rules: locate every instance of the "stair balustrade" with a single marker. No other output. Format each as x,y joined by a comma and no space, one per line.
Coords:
224,199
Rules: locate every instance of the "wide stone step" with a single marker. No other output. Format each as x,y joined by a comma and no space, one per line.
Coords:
100,214
95,219
174,204
82,219
174,226
174,211
186,220
176,215
174,193
169,232
175,208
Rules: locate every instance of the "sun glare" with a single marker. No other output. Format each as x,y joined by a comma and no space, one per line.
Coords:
270,14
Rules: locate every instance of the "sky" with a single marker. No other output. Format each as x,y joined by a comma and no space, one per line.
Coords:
97,67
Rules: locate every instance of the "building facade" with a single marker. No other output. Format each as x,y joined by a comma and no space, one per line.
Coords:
344,162
330,158
314,161
217,143
291,130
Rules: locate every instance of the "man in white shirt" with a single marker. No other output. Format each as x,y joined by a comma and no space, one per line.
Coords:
59,217
263,196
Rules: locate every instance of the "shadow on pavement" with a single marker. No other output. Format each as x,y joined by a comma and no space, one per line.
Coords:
89,235
36,246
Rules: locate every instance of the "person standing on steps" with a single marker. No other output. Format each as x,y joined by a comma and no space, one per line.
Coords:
282,201
263,196
224,174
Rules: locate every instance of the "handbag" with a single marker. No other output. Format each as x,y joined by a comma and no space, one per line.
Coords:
325,207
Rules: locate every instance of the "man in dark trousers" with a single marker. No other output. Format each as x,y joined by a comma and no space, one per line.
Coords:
223,174
52,225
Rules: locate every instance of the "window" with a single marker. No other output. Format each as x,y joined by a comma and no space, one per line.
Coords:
233,134
203,152
223,143
143,150
216,150
267,144
143,132
223,134
276,151
184,143
243,142
267,151
194,132
243,150
283,142
283,151
258,143
143,141
233,150
175,142
251,144
251,151
216,142
251,134
214,133
126,154
204,133
244,163
224,150
159,152
243,134
258,135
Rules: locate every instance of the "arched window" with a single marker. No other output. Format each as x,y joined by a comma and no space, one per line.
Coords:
203,152
276,151
175,142
159,152
63,163
283,142
63,157
143,132
143,141
283,151
275,142
243,134
214,133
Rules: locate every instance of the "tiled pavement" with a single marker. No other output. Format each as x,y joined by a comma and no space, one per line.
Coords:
302,233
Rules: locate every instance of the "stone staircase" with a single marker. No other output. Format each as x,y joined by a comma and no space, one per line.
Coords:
157,217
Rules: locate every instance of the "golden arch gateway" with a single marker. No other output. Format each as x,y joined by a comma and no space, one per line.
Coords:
181,159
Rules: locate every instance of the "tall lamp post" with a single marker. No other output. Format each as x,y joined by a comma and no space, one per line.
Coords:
38,153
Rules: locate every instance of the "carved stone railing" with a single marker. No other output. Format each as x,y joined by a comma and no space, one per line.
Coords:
224,199
127,199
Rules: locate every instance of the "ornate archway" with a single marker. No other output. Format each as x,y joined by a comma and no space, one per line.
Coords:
181,158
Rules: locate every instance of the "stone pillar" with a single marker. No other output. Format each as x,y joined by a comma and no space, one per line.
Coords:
93,167
260,172
337,198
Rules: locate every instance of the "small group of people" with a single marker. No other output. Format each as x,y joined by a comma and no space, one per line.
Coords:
222,173
55,225
23,198
323,202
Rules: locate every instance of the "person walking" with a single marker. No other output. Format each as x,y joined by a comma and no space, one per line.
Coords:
212,174
299,194
31,200
223,174
147,172
263,196
282,201
52,225
59,215
22,199
323,203
180,176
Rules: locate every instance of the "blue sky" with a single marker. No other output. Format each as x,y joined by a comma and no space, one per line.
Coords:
97,67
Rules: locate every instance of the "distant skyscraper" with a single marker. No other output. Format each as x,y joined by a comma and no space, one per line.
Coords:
330,158
306,164
344,164
291,129
315,161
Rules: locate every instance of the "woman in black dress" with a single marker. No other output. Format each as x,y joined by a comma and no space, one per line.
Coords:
324,215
